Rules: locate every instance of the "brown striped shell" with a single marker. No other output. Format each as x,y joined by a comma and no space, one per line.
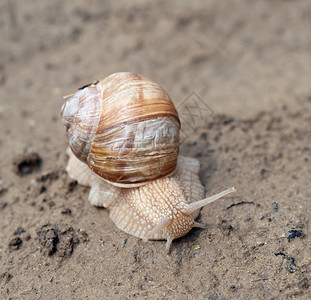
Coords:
125,128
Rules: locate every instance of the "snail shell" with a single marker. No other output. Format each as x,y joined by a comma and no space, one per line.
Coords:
125,128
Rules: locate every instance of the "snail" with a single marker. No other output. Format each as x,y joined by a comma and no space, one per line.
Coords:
123,134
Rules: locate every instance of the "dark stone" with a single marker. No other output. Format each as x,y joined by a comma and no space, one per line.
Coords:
275,206
293,234
27,163
66,211
60,239
15,243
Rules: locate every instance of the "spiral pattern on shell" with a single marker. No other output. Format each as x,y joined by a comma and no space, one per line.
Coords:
125,128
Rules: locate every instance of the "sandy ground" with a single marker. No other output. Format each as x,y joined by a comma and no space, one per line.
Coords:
247,65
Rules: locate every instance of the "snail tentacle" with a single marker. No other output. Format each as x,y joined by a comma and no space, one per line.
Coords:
168,244
190,208
164,222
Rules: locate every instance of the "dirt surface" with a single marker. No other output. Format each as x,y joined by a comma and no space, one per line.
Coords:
247,65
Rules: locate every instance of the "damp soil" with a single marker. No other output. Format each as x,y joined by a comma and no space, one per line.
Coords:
239,73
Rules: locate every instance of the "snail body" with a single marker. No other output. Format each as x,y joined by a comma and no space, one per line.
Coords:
123,135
